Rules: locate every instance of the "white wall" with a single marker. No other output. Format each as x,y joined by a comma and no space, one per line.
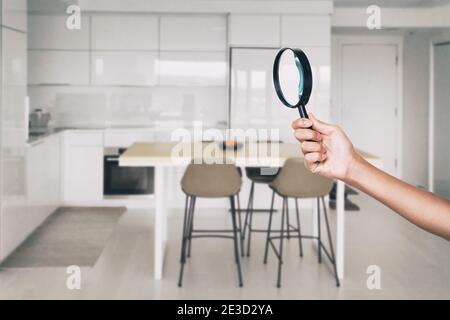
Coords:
416,104
415,109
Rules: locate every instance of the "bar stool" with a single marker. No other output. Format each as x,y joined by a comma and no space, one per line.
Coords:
295,181
209,181
255,175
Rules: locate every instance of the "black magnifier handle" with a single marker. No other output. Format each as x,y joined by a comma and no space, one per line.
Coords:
303,114
302,111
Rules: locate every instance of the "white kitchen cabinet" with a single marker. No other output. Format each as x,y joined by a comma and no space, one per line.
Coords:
193,68
124,68
14,14
131,32
14,131
197,33
58,67
43,179
25,210
254,30
301,31
44,173
13,206
51,32
83,167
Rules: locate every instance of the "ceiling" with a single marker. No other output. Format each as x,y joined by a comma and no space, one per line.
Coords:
381,3
61,5
390,3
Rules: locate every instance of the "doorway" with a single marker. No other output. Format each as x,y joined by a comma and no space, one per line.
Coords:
440,119
369,98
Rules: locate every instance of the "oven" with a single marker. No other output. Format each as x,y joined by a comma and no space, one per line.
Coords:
125,181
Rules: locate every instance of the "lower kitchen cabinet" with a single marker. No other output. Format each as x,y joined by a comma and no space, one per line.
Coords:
83,167
44,178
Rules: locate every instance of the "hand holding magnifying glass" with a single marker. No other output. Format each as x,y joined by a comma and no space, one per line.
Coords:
340,160
284,78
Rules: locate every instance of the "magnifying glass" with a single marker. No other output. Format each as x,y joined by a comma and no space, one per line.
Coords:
292,78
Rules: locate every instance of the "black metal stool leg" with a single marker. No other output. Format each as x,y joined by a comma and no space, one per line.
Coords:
299,229
250,220
236,248
241,234
331,243
269,228
318,232
280,253
191,226
287,220
247,211
184,239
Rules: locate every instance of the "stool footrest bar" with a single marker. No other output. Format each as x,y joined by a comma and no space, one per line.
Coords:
212,236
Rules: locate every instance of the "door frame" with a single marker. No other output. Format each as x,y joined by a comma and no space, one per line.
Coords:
337,43
434,41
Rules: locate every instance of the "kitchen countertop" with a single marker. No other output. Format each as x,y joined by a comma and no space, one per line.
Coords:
34,139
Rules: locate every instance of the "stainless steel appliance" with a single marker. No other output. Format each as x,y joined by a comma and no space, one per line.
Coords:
38,122
125,181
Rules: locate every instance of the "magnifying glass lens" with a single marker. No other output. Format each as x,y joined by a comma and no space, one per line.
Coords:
290,77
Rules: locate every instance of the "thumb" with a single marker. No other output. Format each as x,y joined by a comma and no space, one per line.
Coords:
320,126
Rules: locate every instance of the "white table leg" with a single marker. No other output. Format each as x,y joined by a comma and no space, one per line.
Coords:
160,221
340,228
314,232
169,173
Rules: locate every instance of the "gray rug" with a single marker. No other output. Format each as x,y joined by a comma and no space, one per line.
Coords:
70,236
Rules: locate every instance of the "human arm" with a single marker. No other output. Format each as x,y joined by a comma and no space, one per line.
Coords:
329,152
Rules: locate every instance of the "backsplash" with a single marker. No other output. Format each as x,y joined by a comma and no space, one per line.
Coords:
91,106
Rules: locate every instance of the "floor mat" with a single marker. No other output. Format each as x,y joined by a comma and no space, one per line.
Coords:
70,236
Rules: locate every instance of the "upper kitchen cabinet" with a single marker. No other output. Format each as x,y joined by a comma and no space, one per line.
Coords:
254,31
14,14
193,33
125,33
186,68
58,67
50,32
14,124
305,31
116,68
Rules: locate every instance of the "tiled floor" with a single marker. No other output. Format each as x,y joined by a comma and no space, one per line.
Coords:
414,264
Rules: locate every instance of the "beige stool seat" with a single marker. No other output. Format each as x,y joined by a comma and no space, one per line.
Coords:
211,180
295,181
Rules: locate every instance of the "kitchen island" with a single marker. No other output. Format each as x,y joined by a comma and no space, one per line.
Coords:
164,156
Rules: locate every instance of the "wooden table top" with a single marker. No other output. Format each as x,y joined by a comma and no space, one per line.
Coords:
142,154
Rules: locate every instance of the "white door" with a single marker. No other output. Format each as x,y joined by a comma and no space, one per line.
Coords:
369,99
441,129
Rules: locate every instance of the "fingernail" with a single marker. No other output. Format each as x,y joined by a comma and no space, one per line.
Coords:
307,122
